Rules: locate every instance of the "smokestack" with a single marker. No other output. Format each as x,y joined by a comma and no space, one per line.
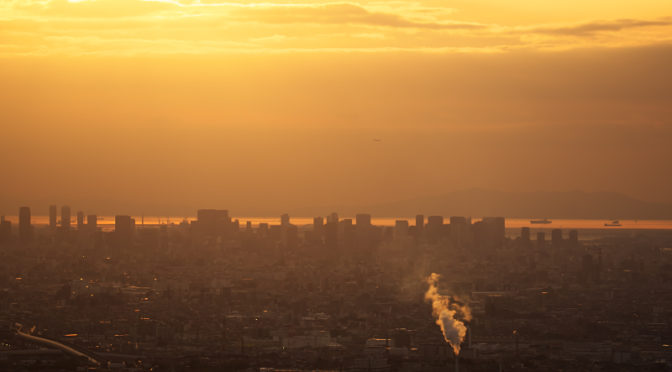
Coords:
457,363
446,311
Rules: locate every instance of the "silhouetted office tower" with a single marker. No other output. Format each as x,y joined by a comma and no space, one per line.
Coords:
123,230
434,221
419,222
331,234
284,219
65,217
400,229
524,241
363,220
434,224
525,234
317,234
346,233
263,229
53,216
364,230
497,227
434,227
92,222
333,217
318,223
290,235
25,227
459,232
541,240
80,220
556,238
456,220
248,225
5,230
212,221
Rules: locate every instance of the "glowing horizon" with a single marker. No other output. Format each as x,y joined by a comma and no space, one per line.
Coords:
156,27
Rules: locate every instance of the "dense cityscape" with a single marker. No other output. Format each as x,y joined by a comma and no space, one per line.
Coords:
220,294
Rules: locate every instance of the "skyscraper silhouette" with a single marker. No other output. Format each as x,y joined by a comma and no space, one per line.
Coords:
123,231
65,217
5,230
284,219
53,217
25,227
80,220
92,222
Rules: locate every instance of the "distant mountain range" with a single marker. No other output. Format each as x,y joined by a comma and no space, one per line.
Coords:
479,202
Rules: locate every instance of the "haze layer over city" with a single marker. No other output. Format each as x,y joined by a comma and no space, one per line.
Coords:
192,185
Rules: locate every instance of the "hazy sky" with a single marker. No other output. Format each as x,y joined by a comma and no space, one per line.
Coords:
135,106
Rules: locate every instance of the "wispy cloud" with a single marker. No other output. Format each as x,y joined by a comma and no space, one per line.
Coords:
342,13
210,26
590,28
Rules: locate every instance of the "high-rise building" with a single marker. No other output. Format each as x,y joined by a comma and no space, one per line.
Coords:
460,236
5,230
92,222
317,235
65,217
364,230
457,220
53,216
331,234
419,222
333,217
434,228
289,235
263,229
363,220
213,222
318,223
123,230
284,220
80,220
434,221
525,237
25,227
497,227
400,229
525,234
489,234
346,233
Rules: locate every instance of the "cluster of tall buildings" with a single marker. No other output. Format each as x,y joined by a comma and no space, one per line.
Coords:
332,232
64,224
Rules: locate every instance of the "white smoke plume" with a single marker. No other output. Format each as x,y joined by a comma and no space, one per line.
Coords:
446,311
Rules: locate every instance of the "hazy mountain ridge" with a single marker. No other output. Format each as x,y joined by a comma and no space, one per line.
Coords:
540,204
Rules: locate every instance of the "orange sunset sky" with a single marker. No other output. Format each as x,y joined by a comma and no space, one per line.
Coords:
122,106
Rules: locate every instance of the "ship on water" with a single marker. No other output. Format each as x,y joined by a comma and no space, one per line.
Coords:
614,223
545,221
